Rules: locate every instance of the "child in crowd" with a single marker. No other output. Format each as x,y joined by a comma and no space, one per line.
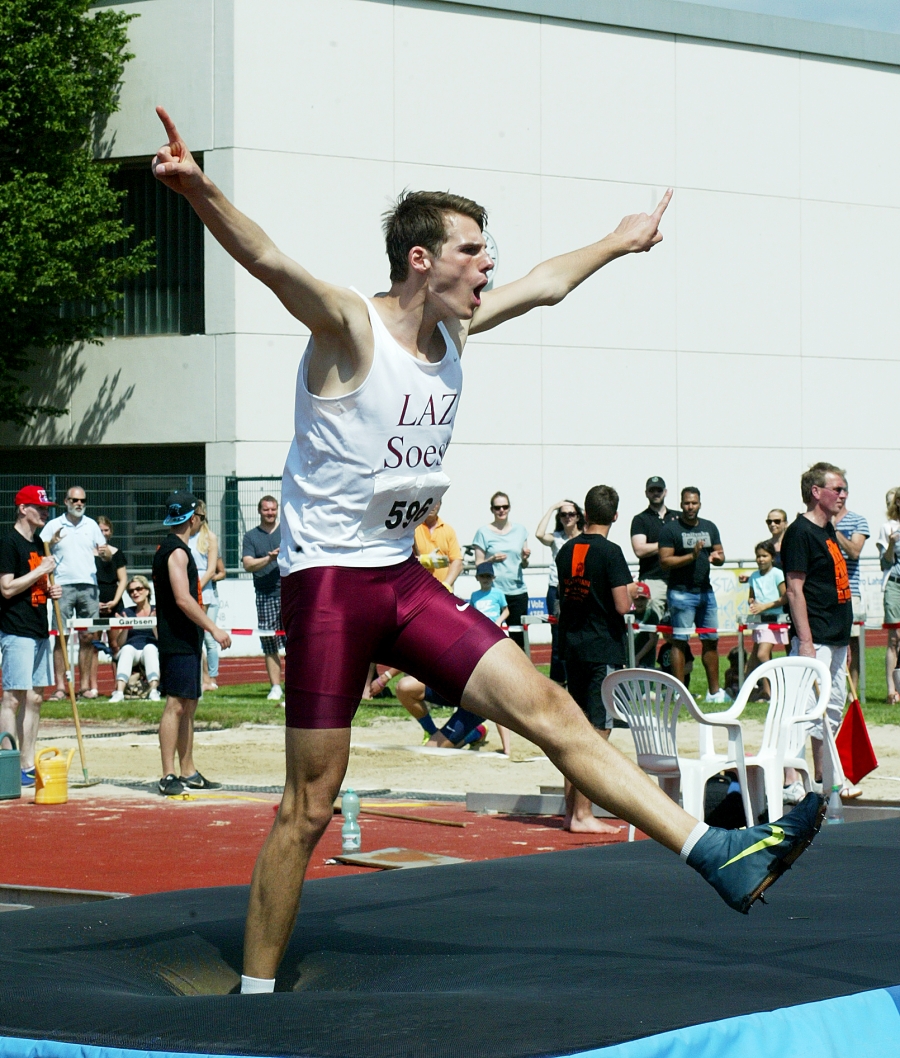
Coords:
492,603
767,594
645,642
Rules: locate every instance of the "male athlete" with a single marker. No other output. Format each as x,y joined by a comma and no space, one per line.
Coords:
377,392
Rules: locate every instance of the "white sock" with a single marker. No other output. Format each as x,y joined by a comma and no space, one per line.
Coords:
695,835
250,985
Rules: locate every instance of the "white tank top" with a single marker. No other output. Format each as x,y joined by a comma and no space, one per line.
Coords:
365,467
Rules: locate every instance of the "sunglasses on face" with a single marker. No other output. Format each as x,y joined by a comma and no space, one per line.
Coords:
136,588
568,514
774,521
500,507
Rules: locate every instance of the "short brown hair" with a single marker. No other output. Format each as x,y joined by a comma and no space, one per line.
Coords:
265,499
419,218
815,476
103,520
601,505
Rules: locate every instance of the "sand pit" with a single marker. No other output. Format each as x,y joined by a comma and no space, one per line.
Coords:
387,755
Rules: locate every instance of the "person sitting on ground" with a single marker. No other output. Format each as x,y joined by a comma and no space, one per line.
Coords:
767,596
140,643
462,729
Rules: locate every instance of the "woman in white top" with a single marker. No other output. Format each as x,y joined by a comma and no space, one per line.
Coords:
205,549
888,545
569,523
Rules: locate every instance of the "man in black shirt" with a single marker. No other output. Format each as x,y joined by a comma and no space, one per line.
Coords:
24,633
818,590
180,623
645,530
687,546
595,591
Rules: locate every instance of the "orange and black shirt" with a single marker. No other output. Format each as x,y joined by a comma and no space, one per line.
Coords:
590,627
813,549
25,614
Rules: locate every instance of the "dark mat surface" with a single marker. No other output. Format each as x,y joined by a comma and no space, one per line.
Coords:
537,955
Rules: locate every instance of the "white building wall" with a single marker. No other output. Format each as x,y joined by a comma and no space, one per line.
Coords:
759,337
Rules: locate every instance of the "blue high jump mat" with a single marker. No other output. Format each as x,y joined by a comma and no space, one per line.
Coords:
617,952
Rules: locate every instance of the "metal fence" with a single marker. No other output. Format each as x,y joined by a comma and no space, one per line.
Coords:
134,505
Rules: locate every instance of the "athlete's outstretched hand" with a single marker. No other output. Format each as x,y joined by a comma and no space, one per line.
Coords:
173,164
641,230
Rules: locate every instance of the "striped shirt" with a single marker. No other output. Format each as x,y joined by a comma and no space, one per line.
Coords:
848,525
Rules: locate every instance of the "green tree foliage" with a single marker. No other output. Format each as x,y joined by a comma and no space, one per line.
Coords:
60,68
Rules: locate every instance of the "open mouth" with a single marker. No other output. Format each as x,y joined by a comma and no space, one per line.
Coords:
476,293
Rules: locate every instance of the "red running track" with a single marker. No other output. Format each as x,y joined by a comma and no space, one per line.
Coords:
154,846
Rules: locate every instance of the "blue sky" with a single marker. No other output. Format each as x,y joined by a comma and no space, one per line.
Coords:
881,15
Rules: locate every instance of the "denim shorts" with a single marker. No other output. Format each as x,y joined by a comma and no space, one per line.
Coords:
693,609
27,662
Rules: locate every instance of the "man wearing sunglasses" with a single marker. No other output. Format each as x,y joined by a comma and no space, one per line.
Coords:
74,541
818,588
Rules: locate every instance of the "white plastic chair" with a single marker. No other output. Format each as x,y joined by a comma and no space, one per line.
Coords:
795,702
649,701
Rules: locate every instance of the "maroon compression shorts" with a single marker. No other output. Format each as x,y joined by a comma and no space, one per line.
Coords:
338,619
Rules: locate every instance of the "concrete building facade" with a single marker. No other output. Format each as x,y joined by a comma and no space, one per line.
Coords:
760,336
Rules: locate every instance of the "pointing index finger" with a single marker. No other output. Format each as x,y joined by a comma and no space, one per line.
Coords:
168,124
663,205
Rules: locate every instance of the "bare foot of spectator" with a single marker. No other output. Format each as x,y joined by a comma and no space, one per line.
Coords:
580,818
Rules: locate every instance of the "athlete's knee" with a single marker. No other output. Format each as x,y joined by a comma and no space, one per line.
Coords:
306,815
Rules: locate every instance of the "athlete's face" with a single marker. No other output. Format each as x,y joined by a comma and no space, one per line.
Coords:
459,275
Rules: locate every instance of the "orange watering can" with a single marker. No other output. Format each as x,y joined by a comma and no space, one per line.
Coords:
51,776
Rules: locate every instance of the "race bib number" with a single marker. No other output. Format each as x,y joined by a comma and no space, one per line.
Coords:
400,504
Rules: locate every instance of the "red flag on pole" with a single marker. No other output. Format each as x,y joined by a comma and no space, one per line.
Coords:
854,745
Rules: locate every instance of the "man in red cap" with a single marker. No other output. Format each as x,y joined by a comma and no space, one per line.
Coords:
24,632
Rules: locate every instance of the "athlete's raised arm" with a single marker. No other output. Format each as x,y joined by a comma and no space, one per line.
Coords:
321,306
551,281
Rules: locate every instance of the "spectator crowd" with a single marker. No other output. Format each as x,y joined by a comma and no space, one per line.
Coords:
805,597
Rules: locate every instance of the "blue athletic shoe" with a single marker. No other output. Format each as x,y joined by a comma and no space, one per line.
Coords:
741,864
28,777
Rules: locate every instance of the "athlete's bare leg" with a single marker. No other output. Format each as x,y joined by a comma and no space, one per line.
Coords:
580,818
507,688
316,763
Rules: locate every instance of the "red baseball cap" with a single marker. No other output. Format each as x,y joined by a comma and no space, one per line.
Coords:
34,494
643,589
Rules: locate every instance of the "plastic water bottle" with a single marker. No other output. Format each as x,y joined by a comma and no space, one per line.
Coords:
351,836
835,813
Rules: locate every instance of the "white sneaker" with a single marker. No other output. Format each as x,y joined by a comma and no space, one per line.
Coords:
117,696
794,792
274,695
719,698
154,695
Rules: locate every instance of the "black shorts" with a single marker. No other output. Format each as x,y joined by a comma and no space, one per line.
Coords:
584,680
180,675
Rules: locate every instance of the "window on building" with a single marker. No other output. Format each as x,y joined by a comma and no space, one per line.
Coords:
169,298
